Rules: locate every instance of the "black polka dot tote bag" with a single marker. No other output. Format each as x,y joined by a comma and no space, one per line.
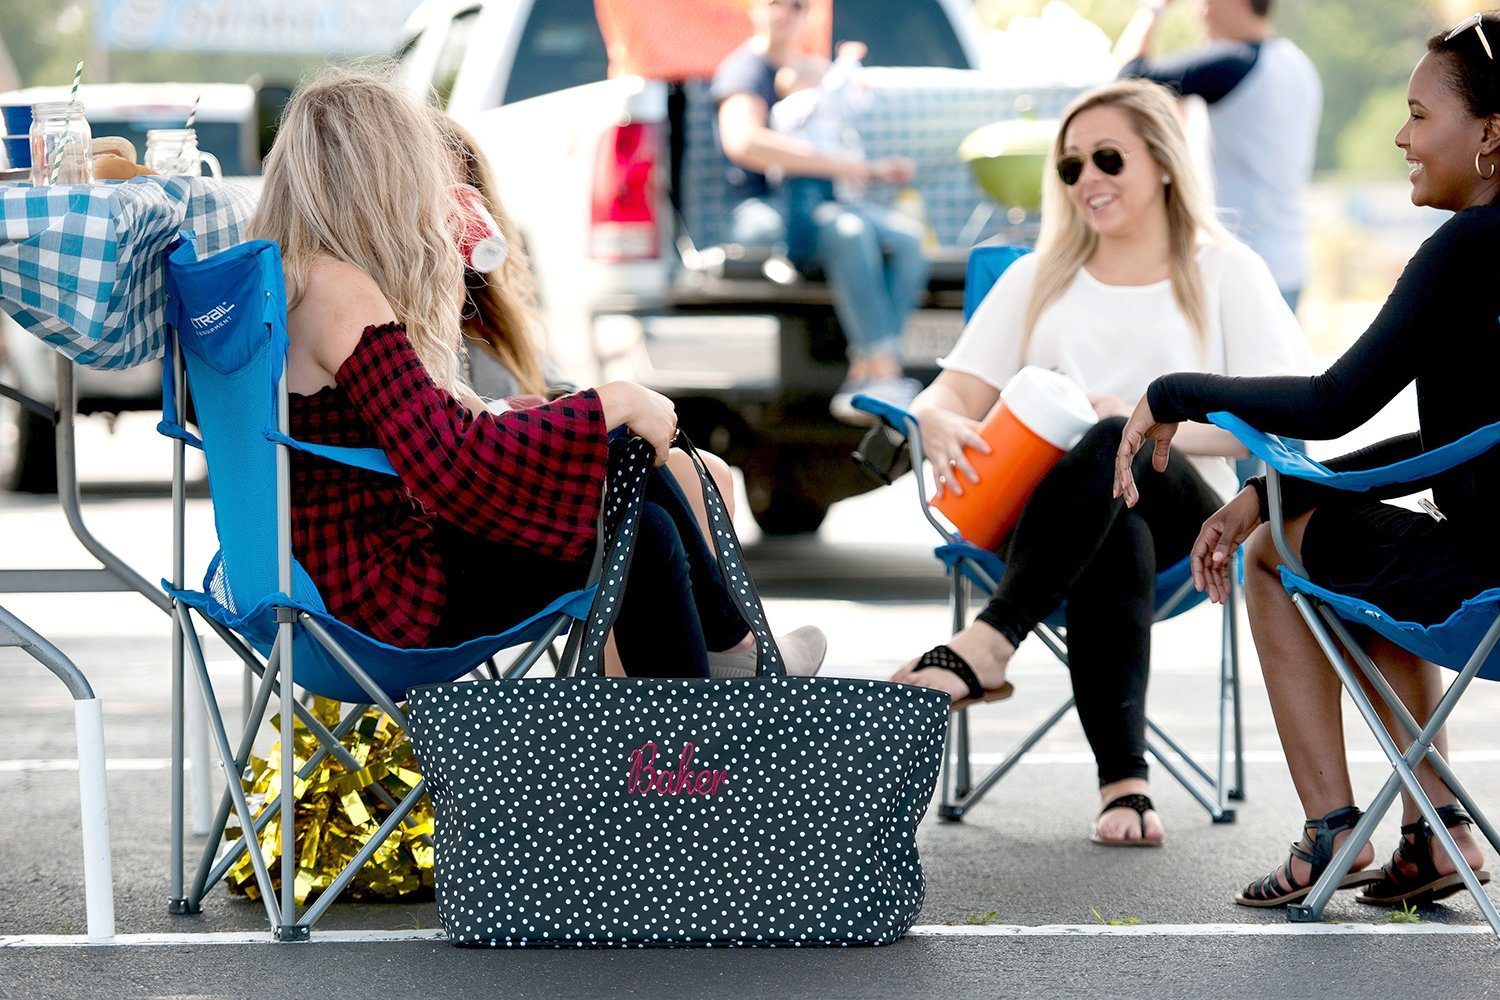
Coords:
600,811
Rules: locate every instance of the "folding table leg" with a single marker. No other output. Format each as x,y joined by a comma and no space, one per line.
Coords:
93,800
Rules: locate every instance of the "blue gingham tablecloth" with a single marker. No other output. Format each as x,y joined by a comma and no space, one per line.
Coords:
81,265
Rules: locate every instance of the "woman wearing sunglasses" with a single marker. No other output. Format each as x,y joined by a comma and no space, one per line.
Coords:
1132,278
1438,328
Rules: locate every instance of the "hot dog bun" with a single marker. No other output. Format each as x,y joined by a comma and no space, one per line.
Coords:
115,144
109,167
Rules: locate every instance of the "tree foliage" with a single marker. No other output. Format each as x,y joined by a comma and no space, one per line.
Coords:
1361,48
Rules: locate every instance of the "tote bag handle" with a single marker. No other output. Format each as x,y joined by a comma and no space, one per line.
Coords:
624,497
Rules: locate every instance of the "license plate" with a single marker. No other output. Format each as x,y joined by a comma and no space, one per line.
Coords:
929,334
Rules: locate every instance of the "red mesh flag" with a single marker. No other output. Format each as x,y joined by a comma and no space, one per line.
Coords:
687,39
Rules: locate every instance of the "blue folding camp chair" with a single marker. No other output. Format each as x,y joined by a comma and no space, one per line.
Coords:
969,565
227,322
1464,642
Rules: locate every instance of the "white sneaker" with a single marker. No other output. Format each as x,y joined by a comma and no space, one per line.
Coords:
802,652
896,390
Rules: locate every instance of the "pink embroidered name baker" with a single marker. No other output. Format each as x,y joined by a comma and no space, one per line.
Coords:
645,777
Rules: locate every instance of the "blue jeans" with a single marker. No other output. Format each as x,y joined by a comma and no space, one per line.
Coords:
871,257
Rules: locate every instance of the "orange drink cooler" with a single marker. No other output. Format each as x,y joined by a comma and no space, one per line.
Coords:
1040,416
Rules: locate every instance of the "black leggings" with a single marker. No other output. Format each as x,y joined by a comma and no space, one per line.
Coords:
1075,543
676,605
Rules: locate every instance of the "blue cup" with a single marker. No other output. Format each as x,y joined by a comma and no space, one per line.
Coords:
17,118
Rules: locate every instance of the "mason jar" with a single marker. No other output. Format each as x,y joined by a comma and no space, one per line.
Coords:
175,151
61,144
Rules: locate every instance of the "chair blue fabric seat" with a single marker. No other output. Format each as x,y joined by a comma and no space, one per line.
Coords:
1449,643
395,669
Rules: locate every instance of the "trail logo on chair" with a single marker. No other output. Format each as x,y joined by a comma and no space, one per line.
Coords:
766,810
646,778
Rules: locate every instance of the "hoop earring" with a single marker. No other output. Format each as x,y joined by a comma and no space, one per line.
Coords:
1483,176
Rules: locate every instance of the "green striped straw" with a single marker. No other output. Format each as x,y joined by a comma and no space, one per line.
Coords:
58,153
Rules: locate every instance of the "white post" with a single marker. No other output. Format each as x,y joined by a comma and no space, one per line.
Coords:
93,803
200,761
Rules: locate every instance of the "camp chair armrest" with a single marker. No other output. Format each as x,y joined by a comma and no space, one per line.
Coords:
893,416
1286,460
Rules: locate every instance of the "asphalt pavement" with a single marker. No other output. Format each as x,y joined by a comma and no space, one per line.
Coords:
1019,903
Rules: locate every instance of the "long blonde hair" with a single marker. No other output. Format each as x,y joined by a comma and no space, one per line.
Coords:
360,172
1066,241
500,314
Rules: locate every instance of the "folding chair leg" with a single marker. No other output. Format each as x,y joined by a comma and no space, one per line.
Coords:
177,901
209,876
1409,723
955,812
255,710
962,778
947,808
221,740
1232,623
534,652
397,816
1402,763
287,928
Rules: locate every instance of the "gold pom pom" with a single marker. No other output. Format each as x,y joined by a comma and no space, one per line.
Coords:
338,812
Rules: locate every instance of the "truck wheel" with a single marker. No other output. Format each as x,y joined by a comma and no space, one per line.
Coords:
781,511
28,449
28,452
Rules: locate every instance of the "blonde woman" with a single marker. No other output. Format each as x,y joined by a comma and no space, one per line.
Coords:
491,515
1132,278
505,359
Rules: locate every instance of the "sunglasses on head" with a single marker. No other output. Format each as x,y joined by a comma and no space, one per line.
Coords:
1107,158
1475,21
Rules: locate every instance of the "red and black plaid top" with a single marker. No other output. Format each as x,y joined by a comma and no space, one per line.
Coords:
531,478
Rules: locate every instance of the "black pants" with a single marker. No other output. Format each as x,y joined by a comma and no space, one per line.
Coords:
1075,543
676,605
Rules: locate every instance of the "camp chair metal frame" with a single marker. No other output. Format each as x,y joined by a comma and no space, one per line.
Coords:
1336,641
276,676
1213,790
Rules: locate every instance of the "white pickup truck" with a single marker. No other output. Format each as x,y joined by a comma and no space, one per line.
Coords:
620,192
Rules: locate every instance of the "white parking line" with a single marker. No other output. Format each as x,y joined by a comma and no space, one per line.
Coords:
919,931
18,765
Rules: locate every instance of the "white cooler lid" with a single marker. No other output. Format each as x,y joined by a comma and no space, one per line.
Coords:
1051,405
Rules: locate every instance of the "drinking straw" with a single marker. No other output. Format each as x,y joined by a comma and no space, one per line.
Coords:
57,154
193,112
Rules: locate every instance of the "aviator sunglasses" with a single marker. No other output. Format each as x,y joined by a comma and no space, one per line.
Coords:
1108,159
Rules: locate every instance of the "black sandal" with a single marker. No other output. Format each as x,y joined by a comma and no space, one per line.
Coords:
1268,891
1141,804
1424,885
944,658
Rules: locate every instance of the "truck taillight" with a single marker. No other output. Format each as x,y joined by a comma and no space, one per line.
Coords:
623,215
